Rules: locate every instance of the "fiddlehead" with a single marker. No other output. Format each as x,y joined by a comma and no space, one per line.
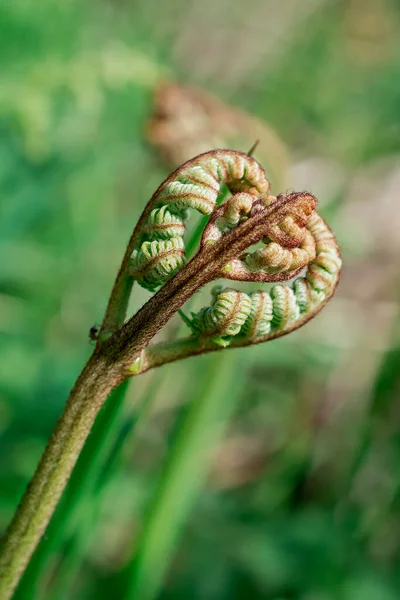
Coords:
225,317
291,238
262,314
159,247
288,248
157,260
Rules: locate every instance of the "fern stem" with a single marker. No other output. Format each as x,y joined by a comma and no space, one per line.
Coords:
84,478
53,471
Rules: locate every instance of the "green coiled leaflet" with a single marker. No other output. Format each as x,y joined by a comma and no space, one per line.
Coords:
295,239
159,247
261,313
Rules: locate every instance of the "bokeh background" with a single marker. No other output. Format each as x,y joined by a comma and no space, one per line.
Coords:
265,473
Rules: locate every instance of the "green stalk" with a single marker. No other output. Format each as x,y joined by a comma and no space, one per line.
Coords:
184,475
91,390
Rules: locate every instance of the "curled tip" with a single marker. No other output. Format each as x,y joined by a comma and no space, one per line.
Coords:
301,204
296,209
265,314
293,237
195,185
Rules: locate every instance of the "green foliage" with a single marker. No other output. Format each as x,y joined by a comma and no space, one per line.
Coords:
302,497
183,476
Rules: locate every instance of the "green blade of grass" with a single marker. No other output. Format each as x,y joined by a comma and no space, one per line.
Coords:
211,405
383,397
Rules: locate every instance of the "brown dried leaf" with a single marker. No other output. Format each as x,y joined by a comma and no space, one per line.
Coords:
188,121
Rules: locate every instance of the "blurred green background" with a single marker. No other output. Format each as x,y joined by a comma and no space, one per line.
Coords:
270,472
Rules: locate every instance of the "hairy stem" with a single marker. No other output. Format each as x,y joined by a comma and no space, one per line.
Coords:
104,371
97,380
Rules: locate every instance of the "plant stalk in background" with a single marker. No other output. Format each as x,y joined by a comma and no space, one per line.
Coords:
293,238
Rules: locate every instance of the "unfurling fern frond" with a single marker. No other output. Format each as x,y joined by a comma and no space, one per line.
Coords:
157,260
288,248
292,242
225,317
195,185
274,258
263,314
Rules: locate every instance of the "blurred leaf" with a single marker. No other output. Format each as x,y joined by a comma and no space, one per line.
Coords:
210,406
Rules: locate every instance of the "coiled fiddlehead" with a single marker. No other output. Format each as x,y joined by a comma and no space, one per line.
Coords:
159,247
288,245
291,238
225,318
263,314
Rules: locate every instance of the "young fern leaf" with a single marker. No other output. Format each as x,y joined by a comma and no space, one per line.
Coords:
294,239
224,318
196,185
158,260
264,313
297,245
288,248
